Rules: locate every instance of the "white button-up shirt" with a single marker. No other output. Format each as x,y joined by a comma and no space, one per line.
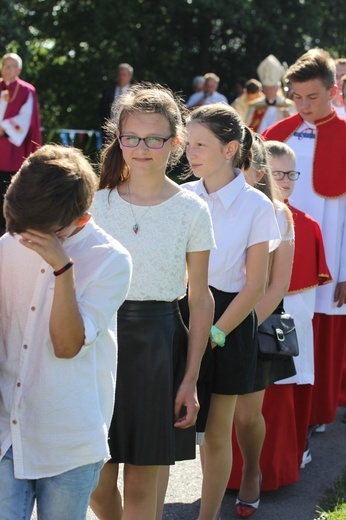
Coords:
56,412
242,216
215,97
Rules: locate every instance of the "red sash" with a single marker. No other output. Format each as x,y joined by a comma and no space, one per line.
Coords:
257,118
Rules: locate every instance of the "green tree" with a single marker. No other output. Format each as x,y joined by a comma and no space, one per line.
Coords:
70,48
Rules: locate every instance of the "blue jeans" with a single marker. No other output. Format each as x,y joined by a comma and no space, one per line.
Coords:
62,497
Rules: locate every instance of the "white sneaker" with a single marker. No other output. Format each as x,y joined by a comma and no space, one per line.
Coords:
320,428
307,458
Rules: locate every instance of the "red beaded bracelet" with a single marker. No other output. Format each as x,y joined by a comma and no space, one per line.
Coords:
65,268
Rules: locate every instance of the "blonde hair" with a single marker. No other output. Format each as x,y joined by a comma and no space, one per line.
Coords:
211,75
267,186
279,149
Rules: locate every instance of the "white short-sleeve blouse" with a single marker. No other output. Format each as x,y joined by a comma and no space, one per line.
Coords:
167,231
242,217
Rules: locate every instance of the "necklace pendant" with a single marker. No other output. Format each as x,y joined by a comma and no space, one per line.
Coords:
135,228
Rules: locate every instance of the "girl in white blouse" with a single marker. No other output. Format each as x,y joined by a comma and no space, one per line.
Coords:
244,223
250,425
168,233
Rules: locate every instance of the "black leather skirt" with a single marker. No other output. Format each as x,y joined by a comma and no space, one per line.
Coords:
152,342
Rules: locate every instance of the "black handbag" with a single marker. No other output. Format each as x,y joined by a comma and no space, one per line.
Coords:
277,337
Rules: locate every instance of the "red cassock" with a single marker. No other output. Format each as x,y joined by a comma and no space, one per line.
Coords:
286,406
309,270
329,182
342,395
11,156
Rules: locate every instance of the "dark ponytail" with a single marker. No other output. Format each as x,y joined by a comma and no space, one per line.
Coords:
245,157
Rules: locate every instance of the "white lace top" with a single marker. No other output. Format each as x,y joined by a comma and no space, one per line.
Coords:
167,231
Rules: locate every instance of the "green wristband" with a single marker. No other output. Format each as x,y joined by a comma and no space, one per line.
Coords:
218,336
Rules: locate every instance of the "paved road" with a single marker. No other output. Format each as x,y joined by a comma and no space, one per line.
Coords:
294,502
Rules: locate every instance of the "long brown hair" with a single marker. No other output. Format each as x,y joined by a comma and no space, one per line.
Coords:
142,97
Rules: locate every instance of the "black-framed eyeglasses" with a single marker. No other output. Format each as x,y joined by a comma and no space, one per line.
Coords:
132,141
292,175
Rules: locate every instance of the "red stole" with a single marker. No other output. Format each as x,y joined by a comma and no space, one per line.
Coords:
17,97
12,156
309,264
329,161
257,118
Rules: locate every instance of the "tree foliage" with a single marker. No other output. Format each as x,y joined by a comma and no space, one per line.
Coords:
70,48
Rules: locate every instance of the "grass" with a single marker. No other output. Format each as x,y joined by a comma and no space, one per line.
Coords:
333,504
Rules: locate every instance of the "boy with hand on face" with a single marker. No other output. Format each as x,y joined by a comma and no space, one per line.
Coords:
62,280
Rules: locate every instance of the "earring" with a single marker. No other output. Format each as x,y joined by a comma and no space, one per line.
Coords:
228,160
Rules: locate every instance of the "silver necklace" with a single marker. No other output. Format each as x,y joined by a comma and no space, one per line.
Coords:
135,228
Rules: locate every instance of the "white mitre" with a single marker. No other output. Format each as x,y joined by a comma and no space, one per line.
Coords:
270,71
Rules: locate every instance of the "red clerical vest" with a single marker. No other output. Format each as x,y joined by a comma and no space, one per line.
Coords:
309,264
329,162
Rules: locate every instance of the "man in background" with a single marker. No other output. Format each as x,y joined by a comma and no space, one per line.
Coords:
338,101
252,91
209,94
198,83
124,76
274,106
20,132
343,90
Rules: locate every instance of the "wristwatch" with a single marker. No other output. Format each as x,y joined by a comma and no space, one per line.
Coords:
217,336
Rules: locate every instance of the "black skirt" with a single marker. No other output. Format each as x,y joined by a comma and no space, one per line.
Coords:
268,372
152,342
228,370
235,363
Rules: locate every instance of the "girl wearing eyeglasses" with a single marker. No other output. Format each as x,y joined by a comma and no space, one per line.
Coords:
284,179
168,232
309,271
